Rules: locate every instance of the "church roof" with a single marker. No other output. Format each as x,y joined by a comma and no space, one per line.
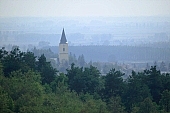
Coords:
63,39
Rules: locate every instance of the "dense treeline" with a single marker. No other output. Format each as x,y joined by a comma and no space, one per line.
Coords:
120,53
31,84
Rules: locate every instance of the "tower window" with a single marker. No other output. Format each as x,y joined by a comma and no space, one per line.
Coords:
63,49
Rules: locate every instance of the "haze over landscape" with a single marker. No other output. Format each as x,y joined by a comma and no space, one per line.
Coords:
72,8
85,56
38,23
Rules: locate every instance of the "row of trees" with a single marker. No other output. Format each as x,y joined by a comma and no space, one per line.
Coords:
121,53
31,84
50,56
103,67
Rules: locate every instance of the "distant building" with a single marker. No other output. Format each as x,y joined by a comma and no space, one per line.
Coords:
63,49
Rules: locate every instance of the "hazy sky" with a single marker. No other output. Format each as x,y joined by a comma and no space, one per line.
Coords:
55,8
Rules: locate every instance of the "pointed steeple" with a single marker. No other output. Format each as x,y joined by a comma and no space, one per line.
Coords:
63,39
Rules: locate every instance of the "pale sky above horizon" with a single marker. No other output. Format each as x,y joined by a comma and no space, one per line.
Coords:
71,8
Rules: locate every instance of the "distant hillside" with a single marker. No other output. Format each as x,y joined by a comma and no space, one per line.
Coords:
119,53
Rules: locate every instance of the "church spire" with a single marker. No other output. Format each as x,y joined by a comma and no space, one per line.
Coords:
63,39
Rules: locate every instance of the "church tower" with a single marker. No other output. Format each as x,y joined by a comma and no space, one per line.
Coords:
63,49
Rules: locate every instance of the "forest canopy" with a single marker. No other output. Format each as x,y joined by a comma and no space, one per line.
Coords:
30,84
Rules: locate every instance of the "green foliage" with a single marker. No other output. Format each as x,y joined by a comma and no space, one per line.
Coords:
12,61
165,78
3,53
74,78
165,101
147,106
47,53
154,83
86,81
94,106
59,85
6,103
62,103
25,89
30,85
15,60
47,72
114,84
115,105
1,69
29,60
136,90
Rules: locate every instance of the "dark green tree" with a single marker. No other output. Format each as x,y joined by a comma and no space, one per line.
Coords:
48,73
136,90
12,61
115,105
165,101
147,106
75,81
3,53
114,85
6,102
25,89
86,81
15,60
30,60
165,78
154,83
94,106
93,83
60,84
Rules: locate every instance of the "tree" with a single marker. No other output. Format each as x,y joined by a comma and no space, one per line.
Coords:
94,106
6,103
136,90
24,89
165,78
48,73
60,84
93,83
156,65
81,61
72,58
15,60
29,60
154,83
147,66
115,105
114,85
3,53
147,106
12,61
165,101
74,78
86,81
163,66
1,70
97,64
